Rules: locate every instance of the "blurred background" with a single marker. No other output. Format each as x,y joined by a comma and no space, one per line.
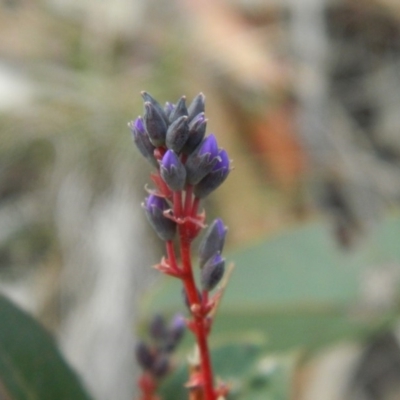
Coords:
304,96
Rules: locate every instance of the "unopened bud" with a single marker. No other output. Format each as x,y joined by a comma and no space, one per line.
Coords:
179,110
168,108
154,207
155,124
197,106
144,355
212,272
212,242
215,177
197,131
148,98
202,160
177,134
158,328
172,171
142,140
175,333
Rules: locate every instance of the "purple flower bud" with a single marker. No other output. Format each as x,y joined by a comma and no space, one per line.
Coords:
155,124
178,325
213,241
154,207
158,328
177,134
209,146
173,171
212,272
161,366
215,177
176,332
142,140
179,110
168,108
197,131
202,160
144,355
147,98
197,106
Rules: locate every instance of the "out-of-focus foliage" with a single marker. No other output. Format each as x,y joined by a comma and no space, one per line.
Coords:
251,373
300,292
70,184
31,366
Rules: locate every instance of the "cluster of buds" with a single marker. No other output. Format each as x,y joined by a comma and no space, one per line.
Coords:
189,166
153,356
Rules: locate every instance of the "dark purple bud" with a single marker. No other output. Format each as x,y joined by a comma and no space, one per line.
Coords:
144,355
161,366
197,106
212,272
176,332
155,125
215,177
147,98
212,242
154,207
173,171
168,108
142,141
202,160
158,328
197,131
178,326
179,110
209,146
177,134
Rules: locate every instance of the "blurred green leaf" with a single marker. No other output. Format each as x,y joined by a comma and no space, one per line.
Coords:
298,289
31,367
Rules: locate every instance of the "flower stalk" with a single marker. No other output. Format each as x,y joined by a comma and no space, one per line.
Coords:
189,166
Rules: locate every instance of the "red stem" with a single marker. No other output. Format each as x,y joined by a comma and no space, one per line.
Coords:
195,207
188,280
206,366
201,327
171,255
177,201
188,200
199,319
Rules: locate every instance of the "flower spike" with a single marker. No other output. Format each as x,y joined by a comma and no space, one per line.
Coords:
190,166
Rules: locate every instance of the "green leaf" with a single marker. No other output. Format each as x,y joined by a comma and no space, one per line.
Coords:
31,367
297,289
